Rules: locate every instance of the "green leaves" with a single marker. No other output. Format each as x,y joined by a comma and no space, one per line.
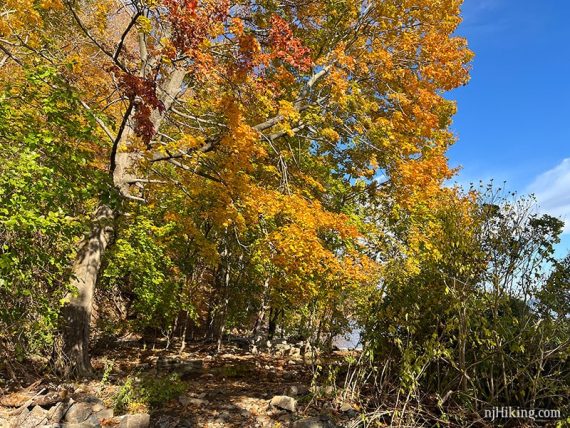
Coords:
45,193
139,264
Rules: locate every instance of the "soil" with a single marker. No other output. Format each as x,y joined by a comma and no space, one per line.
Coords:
230,388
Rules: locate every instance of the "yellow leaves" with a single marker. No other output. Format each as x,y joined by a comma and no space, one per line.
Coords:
144,24
51,4
20,15
288,111
374,162
312,183
330,134
341,57
339,86
75,61
186,143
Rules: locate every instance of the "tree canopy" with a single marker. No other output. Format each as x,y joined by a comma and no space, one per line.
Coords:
184,165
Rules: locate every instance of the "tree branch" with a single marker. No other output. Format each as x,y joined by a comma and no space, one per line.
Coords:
124,36
126,117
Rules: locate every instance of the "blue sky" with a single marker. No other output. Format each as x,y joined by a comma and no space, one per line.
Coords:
513,119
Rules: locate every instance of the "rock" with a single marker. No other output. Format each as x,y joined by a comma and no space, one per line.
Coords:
294,352
228,407
36,417
225,416
180,366
296,390
139,420
198,402
345,407
314,422
55,414
184,400
78,412
97,407
104,413
284,402
18,420
286,418
79,425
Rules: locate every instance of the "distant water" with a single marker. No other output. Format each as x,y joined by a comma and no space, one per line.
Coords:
349,341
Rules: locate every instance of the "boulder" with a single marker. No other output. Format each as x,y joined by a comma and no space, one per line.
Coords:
193,401
36,417
55,414
139,420
79,425
296,390
314,422
284,402
78,412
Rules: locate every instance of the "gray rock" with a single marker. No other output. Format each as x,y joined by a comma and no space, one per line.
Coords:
55,414
225,416
19,420
284,402
36,417
139,420
79,425
97,407
193,401
296,390
184,400
78,412
104,413
314,422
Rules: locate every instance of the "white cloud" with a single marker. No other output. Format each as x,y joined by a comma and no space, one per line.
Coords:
552,190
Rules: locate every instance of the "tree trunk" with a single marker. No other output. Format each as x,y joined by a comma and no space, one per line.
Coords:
259,321
77,311
76,314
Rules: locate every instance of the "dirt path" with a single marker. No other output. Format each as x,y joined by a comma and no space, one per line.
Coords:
197,388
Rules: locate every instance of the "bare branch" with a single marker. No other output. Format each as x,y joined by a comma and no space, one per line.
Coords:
124,36
91,37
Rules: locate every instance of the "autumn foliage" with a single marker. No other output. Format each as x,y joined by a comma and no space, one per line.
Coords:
265,162
256,132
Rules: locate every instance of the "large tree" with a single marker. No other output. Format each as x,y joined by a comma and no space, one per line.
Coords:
270,110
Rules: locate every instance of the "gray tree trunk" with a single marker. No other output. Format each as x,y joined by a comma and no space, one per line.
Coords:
77,311
76,314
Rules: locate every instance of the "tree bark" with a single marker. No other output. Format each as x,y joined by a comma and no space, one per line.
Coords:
77,311
76,314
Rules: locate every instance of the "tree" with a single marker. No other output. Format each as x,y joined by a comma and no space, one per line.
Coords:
471,308
274,113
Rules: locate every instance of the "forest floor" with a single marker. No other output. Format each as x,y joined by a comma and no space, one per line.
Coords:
199,387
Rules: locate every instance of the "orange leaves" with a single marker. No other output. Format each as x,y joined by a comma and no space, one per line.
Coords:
286,47
192,24
417,181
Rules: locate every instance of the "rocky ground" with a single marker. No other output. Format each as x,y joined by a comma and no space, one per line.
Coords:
237,387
